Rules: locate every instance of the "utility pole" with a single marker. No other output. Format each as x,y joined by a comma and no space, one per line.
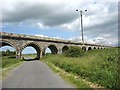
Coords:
81,12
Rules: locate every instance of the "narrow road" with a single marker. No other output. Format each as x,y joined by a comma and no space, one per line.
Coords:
33,74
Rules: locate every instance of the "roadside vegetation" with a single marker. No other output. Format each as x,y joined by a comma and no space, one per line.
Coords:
97,66
8,62
8,58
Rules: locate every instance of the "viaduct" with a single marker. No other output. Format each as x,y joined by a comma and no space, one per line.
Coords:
40,44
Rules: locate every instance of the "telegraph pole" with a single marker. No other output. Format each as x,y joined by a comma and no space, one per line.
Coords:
81,12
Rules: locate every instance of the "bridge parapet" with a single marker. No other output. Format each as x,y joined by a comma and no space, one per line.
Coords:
4,34
23,36
40,44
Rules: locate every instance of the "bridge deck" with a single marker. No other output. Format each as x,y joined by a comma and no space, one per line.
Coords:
30,37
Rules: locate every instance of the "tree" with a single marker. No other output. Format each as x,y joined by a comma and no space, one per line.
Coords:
74,51
8,53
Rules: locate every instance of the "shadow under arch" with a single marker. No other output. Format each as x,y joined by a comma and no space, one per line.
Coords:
65,48
94,48
6,43
53,49
36,47
84,48
89,48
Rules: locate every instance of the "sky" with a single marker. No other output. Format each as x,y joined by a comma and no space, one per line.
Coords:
59,19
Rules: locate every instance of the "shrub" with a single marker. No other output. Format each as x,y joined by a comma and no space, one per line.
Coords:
74,51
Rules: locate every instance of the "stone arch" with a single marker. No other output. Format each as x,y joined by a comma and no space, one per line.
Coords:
6,43
94,48
98,47
36,47
53,49
64,48
84,48
89,48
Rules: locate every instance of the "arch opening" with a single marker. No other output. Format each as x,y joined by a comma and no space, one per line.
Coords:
47,51
31,52
53,49
65,48
5,44
89,48
7,50
94,48
84,48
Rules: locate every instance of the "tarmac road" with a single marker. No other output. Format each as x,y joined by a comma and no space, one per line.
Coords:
33,74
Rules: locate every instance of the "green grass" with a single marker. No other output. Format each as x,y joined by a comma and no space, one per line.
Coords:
5,71
69,77
29,56
8,61
97,66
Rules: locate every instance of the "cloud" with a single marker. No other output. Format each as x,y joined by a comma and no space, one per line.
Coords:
41,26
102,39
48,13
57,13
58,37
40,35
100,21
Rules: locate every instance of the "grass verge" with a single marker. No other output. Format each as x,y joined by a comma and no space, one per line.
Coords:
7,64
9,61
96,66
75,81
5,72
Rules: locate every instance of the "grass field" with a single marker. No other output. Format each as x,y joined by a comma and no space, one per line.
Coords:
30,56
96,66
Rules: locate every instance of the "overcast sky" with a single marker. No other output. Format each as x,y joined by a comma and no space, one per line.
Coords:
58,19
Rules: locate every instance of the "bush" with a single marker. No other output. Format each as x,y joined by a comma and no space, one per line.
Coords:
74,51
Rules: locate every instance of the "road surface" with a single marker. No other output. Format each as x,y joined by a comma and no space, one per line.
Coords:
33,74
